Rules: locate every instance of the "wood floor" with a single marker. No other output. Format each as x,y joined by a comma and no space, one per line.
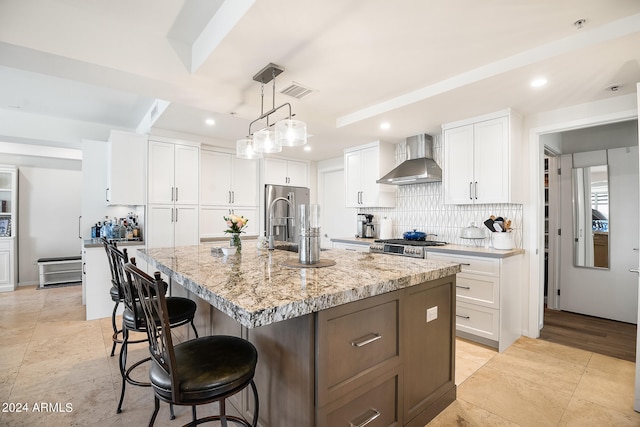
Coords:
608,337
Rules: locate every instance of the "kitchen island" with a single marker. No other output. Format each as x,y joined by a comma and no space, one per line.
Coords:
369,338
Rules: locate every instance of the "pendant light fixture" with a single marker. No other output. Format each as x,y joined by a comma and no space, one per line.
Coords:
270,139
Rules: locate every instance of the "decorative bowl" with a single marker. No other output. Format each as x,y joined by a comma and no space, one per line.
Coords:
229,250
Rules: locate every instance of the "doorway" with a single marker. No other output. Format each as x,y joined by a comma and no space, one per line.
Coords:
599,292
336,220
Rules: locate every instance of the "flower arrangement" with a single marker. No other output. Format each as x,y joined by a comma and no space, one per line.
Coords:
236,224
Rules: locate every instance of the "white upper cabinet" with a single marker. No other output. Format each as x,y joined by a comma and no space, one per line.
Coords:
173,173
126,168
228,180
286,172
364,165
481,156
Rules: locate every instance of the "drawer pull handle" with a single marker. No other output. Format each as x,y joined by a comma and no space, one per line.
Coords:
365,418
463,287
367,339
464,317
464,263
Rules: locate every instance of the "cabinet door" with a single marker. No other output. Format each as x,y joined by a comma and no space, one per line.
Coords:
353,173
458,165
160,226
5,269
251,213
126,169
297,173
245,182
370,159
212,223
491,161
187,175
161,172
215,178
186,226
275,171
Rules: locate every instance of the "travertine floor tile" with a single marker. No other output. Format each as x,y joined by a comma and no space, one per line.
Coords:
463,413
610,388
513,398
582,413
538,368
569,354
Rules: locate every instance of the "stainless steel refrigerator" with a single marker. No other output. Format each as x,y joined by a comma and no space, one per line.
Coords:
281,205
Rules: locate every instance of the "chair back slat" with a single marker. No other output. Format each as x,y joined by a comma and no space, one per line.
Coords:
112,266
154,306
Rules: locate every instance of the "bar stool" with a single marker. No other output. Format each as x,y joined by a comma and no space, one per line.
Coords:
117,296
181,311
198,371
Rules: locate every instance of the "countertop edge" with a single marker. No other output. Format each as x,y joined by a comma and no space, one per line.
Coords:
98,244
300,308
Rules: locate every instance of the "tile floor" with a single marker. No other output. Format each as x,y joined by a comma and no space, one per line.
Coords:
59,365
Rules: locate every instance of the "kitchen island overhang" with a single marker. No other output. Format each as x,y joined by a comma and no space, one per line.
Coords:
371,337
255,288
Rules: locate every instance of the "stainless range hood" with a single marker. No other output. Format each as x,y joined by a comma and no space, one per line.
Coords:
419,166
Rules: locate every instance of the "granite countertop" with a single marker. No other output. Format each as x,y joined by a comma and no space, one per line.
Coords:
256,289
449,248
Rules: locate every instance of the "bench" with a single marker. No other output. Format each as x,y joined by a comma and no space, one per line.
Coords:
59,270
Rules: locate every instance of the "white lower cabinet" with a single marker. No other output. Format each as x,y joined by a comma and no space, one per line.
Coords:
488,304
97,280
7,264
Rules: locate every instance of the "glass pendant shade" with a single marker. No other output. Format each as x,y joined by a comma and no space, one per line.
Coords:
291,133
244,149
264,141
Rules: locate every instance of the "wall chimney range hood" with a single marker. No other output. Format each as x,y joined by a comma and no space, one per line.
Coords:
419,166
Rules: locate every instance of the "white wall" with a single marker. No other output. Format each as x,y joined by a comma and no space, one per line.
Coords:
49,207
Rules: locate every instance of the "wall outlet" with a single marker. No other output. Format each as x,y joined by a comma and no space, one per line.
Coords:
432,313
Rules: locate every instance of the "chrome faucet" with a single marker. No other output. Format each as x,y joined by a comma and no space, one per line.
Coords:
271,218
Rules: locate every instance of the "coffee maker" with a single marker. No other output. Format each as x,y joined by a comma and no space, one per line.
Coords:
365,226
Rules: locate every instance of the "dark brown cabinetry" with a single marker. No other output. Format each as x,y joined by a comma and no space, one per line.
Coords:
379,361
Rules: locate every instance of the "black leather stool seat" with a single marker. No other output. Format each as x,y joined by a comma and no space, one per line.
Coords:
180,311
115,294
208,367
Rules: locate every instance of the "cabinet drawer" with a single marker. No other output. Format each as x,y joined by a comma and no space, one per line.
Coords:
376,407
354,341
476,289
477,265
477,320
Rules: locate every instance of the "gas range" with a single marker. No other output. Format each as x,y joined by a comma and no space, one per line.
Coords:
410,248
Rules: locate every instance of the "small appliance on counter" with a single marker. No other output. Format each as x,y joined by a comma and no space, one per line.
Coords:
366,228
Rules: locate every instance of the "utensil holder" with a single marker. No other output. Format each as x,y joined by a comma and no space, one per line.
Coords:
502,241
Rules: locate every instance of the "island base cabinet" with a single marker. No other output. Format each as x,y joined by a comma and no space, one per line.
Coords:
429,351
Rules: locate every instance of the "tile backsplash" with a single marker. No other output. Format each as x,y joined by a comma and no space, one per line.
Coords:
421,207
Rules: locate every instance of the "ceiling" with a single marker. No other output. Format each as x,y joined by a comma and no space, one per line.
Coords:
414,64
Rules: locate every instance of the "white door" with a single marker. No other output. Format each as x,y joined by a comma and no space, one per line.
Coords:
337,220
491,161
297,173
352,174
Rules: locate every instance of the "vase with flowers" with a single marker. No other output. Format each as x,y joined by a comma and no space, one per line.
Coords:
236,224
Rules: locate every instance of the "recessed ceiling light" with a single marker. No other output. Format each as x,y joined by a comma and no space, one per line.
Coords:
538,82
210,122
385,125
307,148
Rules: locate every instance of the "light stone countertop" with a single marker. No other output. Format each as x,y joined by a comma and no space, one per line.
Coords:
446,249
256,289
